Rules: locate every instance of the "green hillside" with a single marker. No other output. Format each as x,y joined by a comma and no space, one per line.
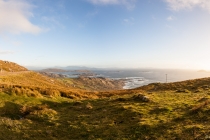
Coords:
166,115
36,107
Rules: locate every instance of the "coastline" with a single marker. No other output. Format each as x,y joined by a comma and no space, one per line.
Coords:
136,78
88,82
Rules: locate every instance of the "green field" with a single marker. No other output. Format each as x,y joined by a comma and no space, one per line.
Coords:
167,115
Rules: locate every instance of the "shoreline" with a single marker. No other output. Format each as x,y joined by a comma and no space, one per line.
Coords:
137,78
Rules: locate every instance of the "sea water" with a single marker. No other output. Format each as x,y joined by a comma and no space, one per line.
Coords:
139,77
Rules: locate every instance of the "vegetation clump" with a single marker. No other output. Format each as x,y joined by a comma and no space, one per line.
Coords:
140,97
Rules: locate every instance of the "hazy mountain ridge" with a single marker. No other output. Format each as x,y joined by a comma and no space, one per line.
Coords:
52,70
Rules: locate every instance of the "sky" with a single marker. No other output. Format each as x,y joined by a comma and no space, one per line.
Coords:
106,33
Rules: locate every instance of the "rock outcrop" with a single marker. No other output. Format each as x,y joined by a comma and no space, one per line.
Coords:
53,75
99,83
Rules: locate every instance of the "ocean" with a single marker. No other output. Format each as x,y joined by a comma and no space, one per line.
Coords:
139,77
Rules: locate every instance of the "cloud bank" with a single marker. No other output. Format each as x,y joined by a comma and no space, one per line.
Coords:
177,5
130,4
14,17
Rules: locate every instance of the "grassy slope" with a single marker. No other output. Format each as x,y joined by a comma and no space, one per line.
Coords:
29,78
175,111
30,83
10,67
194,85
168,115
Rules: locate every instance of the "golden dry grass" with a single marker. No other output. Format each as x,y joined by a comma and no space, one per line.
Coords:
175,111
6,66
34,84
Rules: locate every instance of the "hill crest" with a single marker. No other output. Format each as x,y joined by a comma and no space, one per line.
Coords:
6,66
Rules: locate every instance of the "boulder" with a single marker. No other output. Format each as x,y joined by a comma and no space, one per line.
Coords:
141,97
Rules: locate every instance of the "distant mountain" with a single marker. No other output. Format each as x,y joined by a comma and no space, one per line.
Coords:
78,68
53,70
72,68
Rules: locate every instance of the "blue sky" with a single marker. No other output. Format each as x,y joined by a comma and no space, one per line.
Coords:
106,33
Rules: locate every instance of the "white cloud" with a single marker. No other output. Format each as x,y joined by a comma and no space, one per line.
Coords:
6,52
177,5
129,21
14,17
170,18
130,4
